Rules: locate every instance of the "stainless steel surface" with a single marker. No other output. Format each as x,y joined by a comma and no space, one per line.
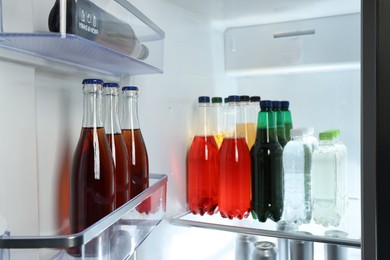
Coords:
75,240
301,250
283,244
244,246
264,250
335,252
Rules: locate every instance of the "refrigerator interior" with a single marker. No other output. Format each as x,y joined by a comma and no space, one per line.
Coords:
42,115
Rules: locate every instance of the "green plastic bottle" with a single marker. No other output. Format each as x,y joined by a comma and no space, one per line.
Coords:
288,124
281,129
267,168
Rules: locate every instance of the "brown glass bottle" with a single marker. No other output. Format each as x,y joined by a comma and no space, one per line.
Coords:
138,155
116,142
92,182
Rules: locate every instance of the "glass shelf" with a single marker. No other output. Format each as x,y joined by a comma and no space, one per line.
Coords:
76,51
251,226
103,44
115,236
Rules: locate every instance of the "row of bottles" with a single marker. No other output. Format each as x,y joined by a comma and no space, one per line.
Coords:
110,163
279,177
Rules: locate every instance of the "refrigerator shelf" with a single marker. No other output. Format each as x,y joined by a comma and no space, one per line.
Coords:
251,226
105,36
76,51
117,235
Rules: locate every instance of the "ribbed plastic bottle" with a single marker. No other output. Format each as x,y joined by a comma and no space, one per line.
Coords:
280,126
288,123
327,190
309,138
342,156
116,142
203,164
235,168
267,168
136,148
245,127
217,120
253,112
297,158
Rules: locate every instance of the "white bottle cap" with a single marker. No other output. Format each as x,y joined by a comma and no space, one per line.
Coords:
296,132
307,130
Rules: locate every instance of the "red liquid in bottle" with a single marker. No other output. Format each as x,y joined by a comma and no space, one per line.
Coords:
122,177
203,175
235,178
138,165
92,180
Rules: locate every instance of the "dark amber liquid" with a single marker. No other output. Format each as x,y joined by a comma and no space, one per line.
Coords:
203,175
267,178
138,165
235,179
63,199
122,176
92,180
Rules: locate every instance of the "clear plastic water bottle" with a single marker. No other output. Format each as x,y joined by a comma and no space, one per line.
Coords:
297,182
342,155
309,138
328,186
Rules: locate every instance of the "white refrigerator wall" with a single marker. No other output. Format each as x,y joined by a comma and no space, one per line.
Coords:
42,114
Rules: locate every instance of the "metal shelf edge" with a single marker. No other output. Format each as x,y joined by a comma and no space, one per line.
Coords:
263,232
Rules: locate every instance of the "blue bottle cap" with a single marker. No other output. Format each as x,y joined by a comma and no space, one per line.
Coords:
203,99
276,104
92,81
255,98
266,104
244,98
234,99
134,88
284,104
110,85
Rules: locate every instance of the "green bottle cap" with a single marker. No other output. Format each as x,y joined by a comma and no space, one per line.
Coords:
335,132
216,100
326,135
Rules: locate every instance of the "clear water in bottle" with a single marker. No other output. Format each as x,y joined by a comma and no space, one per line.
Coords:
328,205
297,182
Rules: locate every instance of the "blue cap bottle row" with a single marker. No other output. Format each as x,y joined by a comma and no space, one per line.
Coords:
110,163
275,180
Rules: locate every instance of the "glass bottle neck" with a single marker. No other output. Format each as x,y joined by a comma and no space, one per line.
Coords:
130,112
92,108
110,114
